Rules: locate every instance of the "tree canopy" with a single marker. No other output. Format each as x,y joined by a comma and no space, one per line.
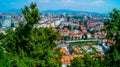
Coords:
28,46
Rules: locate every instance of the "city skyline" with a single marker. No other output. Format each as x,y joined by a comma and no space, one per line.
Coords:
102,6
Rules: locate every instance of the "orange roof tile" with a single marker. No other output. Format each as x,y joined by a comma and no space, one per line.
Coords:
84,30
66,29
67,59
111,41
63,50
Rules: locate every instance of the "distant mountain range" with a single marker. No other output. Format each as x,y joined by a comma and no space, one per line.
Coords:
67,12
52,11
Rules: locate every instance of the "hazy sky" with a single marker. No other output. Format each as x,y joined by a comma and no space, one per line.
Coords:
102,6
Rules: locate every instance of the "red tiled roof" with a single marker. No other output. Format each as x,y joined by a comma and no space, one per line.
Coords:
85,31
111,41
67,59
65,29
91,25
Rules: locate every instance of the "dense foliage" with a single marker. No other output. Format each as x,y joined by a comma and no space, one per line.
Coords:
28,46
112,27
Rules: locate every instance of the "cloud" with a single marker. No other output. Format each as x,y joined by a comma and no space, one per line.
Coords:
98,2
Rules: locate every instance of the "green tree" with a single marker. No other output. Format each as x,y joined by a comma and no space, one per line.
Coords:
112,57
77,62
0,24
90,62
29,46
113,27
116,56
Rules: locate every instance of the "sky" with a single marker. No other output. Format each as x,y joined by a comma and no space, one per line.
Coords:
102,6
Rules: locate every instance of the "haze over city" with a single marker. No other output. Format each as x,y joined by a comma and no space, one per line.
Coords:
102,6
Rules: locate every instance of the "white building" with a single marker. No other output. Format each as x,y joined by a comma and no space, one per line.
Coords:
7,22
